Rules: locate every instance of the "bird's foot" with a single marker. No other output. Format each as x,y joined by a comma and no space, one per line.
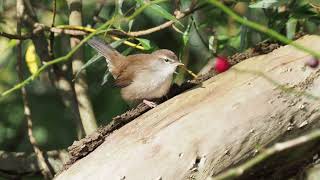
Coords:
150,103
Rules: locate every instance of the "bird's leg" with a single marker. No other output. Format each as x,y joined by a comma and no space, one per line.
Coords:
150,103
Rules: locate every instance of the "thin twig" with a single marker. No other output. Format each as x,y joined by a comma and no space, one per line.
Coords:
54,11
51,37
40,27
80,32
90,30
179,15
15,36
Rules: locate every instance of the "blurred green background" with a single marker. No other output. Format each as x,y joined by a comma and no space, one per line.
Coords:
206,33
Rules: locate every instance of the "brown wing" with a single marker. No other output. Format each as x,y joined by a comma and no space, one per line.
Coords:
133,65
125,78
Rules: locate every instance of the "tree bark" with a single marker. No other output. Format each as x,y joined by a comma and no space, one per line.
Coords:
214,126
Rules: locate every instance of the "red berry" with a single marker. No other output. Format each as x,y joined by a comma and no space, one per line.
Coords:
221,64
312,62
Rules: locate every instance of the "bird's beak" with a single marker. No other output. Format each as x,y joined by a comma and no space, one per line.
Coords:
186,69
179,64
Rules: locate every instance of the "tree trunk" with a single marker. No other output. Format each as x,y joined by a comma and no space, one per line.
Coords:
211,127
88,119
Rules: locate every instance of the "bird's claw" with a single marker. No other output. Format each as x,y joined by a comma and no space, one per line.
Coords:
149,103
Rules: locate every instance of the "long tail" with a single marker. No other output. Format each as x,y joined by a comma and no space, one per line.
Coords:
113,57
104,49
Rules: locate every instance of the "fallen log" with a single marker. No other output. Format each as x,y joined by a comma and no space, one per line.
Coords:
216,125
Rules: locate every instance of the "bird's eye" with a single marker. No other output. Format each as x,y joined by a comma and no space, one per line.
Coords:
166,60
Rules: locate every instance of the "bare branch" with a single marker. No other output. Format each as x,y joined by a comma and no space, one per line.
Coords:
179,15
40,27
27,112
15,36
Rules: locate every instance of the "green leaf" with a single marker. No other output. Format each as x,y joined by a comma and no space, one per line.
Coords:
303,12
145,43
244,30
186,34
264,4
213,44
105,77
127,51
117,43
130,25
162,12
32,59
291,27
92,60
165,14
118,7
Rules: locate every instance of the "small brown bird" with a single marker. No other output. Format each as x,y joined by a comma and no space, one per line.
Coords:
141,77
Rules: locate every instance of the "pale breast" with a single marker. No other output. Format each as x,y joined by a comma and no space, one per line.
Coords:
147,85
